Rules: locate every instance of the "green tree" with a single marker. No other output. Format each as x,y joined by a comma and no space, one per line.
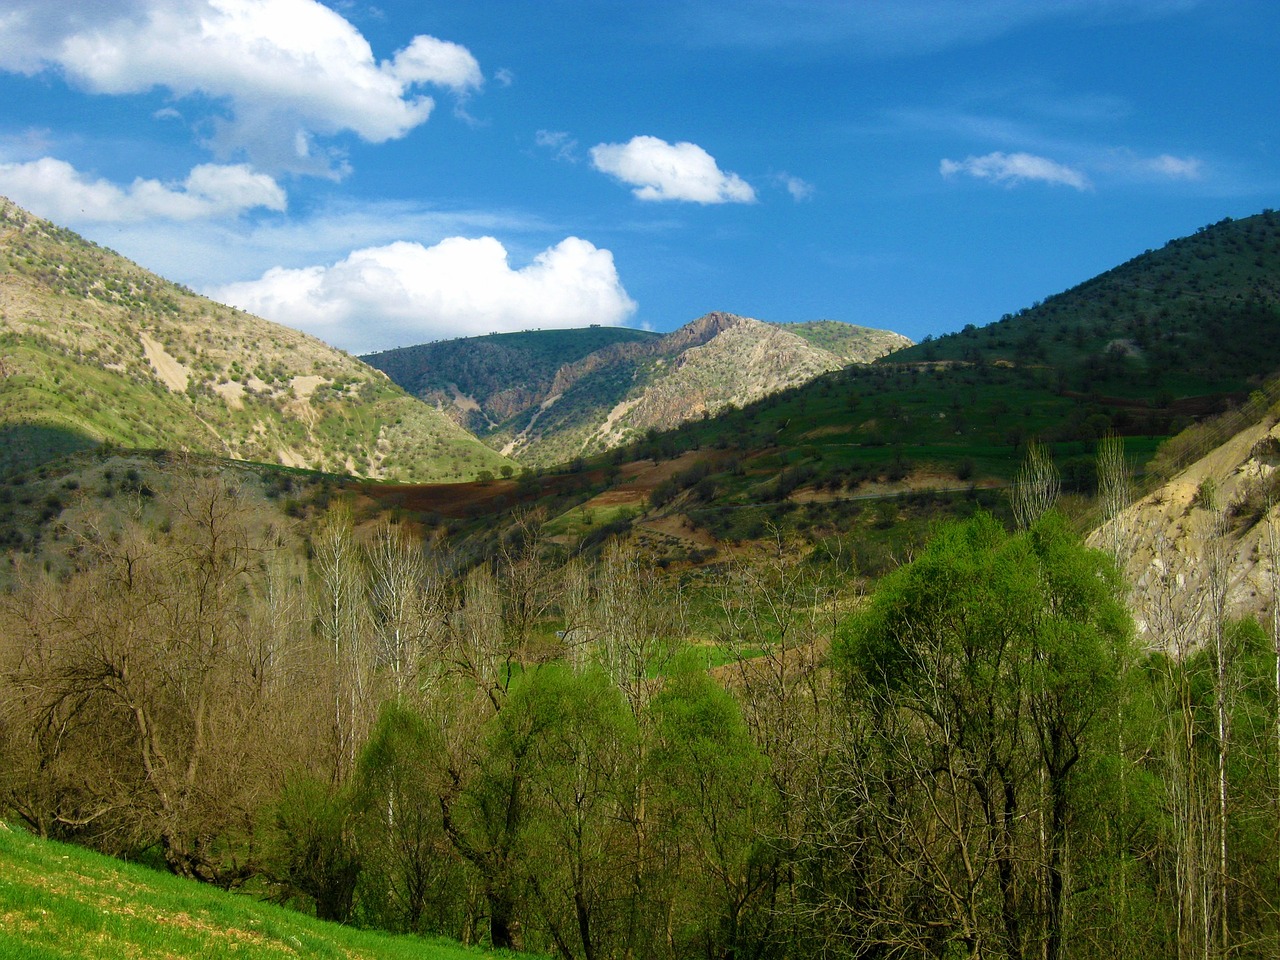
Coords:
398,784
710,800
987,667
311,847
581,791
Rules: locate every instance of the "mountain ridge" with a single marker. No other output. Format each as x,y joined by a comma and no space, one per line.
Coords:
597,399
95,349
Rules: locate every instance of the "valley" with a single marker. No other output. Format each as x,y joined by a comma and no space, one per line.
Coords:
746,639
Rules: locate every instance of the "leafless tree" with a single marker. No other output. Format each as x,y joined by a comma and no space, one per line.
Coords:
342,623
407,599
147,690
1036,486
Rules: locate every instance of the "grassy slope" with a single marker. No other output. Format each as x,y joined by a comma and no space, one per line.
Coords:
84,334
60,901
856,344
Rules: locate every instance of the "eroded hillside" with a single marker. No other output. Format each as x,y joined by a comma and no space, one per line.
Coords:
599,398
95,349
1211,531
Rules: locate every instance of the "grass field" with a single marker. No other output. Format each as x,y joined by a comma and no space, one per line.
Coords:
59,901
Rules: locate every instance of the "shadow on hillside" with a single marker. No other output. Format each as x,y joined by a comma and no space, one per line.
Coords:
25,445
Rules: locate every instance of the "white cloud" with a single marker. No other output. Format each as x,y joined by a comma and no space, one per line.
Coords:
1175,168
440,62
405,293
278,66
563,146
664,171
1013,168
799,189
56,190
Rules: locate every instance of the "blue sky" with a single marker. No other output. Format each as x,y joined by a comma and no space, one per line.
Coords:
381,174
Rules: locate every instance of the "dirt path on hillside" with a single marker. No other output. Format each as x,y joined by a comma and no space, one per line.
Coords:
172,374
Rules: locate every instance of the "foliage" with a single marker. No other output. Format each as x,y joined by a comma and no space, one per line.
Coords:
987,667
312,852
532,747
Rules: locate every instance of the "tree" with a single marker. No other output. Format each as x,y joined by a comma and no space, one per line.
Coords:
407,856
486,812
312,848
1036,486
987,666
342,624
708,782
406,597
779,615
157,710
631,624
580,790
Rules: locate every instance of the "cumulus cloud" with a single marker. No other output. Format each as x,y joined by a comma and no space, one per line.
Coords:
277,65
1014,168
440,62
405,293
670,171
55,189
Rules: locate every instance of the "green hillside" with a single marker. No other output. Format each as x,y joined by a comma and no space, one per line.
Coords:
872,454
94,349
1196,317
61,901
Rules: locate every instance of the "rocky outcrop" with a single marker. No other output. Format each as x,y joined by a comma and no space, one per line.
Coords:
1217,519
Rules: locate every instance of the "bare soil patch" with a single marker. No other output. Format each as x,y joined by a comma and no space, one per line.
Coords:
172,374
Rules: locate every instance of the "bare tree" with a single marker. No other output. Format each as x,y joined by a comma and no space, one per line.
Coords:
1036,486
406,594
342,623
637,622
146,689
1115,493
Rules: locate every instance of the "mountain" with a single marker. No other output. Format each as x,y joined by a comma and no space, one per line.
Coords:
94,350
869,456
1197,316
481,381
566,394
1166,339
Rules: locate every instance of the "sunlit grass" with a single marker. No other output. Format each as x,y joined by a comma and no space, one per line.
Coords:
59,901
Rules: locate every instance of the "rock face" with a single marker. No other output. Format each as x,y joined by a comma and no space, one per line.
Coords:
95,349
593,400
1217,520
